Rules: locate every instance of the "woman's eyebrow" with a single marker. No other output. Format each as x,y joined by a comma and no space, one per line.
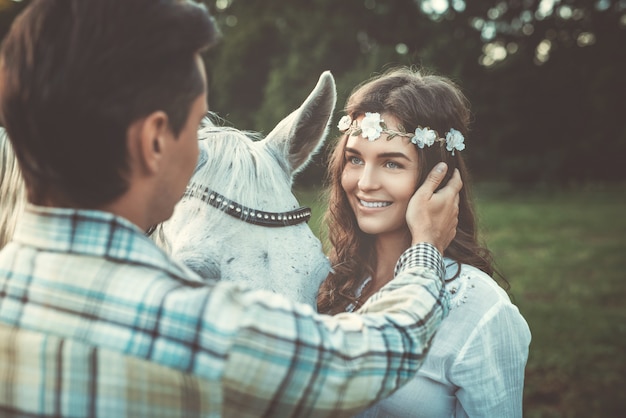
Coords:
394,155
382,155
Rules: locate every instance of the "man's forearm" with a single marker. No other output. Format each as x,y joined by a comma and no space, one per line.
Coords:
339,365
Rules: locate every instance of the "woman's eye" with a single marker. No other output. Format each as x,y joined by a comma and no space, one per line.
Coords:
355,160
392,164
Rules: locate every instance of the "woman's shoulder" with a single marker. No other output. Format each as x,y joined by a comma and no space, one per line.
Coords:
475,294
480,309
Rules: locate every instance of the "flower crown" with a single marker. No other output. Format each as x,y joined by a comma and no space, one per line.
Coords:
372,126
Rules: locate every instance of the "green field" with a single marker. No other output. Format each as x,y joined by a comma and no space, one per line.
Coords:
563,252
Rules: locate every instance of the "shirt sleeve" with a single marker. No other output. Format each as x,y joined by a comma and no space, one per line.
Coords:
489,370
286,360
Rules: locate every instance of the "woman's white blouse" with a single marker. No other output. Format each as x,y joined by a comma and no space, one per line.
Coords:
475,367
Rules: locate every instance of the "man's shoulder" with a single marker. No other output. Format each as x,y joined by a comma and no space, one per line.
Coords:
92,238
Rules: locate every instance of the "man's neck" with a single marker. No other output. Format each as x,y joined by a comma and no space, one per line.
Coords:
134,207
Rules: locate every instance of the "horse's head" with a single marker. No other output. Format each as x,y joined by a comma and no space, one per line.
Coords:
239,220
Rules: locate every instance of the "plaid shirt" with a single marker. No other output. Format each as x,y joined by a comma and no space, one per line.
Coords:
93,313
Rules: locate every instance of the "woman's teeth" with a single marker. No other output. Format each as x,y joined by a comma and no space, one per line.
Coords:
374,204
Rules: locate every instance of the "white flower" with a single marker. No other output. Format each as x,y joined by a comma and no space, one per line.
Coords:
345,123
454,140
424,137
371,126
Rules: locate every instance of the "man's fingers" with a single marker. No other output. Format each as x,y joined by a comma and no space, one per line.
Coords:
456,181
435,177
454,185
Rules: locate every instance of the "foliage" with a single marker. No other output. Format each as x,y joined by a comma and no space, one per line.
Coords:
539,118
545,77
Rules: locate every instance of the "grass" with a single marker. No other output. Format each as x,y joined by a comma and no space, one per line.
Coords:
564,254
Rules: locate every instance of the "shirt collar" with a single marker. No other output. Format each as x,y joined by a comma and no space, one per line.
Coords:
452,267
93,233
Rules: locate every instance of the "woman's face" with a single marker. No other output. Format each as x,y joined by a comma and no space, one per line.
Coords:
379,179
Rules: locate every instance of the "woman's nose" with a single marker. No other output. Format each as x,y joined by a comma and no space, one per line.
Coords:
368,179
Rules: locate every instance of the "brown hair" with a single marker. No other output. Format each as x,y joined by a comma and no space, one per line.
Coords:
75,74
415,100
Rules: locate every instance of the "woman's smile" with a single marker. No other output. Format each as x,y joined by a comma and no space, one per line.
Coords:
373,204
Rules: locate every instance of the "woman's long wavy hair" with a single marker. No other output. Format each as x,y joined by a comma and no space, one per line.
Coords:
415,100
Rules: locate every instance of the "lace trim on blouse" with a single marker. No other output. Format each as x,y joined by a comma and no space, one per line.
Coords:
457,290
359,292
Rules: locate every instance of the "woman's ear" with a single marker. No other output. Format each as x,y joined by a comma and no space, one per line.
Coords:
147,141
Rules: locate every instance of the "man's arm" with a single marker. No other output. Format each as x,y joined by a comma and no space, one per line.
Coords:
286,360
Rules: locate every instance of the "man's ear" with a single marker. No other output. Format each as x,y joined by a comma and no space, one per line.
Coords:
146,141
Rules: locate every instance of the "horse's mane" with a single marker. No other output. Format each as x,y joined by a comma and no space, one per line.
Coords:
235,164
243,165
12,191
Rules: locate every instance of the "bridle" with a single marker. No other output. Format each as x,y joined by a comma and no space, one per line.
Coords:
244,213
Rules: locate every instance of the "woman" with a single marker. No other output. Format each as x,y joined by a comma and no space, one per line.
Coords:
397,127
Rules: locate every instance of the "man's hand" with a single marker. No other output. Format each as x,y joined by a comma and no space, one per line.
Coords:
433,216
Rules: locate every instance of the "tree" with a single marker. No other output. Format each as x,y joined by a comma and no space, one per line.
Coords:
545,77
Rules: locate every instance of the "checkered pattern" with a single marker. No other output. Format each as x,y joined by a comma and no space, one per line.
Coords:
415,258
423,254
93,283
51,376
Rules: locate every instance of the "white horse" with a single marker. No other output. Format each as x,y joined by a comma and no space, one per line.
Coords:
12,191
239,220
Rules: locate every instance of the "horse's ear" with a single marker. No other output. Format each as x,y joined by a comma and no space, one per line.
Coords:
301,134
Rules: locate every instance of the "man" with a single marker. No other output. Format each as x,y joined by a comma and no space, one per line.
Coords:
102,100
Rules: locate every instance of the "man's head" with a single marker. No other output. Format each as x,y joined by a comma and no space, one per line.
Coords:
76,76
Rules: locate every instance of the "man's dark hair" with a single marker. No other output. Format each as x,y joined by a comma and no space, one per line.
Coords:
75,74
